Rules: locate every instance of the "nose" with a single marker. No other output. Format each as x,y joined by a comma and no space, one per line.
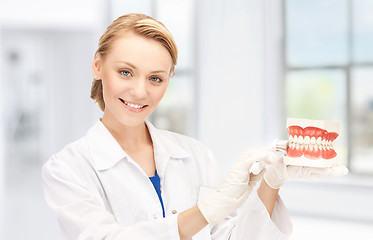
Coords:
139,90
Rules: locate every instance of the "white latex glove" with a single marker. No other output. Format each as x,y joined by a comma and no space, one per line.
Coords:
276,174
237,185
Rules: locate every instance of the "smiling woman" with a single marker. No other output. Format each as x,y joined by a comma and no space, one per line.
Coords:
134,78
125,179
145,28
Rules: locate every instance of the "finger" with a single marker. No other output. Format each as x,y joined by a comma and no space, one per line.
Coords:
327,172
263,155
260,164
255,178
313,172
339,171
268,157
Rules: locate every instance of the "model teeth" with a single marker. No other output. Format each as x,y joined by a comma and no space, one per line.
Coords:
310,142
307,140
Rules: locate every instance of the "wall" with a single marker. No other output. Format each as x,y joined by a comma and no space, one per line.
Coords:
52,14
239,72
58,39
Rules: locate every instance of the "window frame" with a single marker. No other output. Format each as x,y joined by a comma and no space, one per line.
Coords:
346,68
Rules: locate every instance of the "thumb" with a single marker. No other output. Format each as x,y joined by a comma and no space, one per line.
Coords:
255,178
261,156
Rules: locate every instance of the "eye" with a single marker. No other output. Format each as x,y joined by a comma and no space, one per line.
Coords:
156,79
125,73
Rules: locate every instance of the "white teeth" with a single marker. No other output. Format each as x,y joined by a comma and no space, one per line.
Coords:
133,105
307,140
308,143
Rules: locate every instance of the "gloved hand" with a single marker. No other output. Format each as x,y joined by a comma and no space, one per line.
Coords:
236,186
276,174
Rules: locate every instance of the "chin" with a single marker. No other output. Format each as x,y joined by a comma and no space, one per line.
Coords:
130,122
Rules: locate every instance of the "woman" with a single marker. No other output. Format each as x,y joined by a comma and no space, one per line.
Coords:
125,179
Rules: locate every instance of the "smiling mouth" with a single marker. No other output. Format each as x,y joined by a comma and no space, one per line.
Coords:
133,105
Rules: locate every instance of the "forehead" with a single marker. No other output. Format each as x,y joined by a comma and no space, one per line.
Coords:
140,51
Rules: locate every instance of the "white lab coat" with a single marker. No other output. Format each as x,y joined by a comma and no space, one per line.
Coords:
99,192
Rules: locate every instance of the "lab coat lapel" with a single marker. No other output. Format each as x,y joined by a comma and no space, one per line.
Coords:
170,159
164,149
131,200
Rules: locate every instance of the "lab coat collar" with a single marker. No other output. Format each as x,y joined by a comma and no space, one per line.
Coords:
106,151
163,144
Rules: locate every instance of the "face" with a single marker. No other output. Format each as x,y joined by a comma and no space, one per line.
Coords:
135,75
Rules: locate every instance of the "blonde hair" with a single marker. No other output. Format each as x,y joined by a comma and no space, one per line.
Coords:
140,24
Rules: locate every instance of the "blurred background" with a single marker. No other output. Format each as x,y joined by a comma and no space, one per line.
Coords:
245,66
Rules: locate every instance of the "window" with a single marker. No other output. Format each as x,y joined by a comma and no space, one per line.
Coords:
175,111
329,71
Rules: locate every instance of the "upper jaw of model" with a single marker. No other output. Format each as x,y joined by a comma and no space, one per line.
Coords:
311,139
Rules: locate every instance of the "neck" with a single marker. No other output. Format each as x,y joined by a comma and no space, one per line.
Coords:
129,137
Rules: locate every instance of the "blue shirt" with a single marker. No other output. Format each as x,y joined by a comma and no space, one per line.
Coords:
157,185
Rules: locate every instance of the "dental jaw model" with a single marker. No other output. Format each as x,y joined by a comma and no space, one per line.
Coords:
311,143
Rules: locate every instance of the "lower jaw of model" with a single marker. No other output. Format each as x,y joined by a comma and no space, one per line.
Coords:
311,142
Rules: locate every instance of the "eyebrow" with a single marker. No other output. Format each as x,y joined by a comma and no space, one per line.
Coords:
133,66
129,64
159,71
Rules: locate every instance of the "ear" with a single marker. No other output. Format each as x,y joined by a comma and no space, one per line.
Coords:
96,67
